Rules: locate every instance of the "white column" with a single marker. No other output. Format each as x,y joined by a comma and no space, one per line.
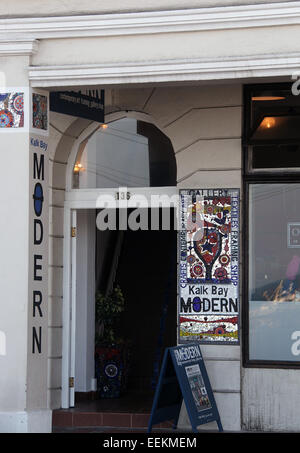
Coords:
24,250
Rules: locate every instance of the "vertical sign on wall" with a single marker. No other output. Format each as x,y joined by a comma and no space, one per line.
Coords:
209,266
38,252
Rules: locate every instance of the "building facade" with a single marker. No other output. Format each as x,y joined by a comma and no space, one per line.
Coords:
219,80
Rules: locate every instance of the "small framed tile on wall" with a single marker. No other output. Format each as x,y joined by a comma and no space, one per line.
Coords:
14,109
40,112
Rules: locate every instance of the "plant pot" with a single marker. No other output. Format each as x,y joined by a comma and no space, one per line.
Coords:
111,370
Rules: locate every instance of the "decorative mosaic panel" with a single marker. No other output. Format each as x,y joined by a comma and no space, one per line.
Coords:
39,111
209,266
11,110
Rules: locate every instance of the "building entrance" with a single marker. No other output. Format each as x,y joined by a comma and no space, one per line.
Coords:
122,373
127,171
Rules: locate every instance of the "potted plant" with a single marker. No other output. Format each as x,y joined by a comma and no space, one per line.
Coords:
111,351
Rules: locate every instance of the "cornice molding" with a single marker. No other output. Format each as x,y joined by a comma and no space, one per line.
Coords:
215,18
231,68
18,46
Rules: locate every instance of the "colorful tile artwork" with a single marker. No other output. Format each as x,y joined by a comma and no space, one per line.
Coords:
39,111
208,259
11,110
209,266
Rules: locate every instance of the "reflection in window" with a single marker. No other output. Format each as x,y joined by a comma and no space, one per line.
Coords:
273,132
274,270
125,153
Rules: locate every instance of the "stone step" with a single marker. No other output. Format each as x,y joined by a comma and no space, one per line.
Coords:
71,418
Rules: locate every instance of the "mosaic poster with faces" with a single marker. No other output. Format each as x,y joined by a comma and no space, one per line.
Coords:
209,266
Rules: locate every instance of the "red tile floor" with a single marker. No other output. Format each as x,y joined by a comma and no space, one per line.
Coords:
130,413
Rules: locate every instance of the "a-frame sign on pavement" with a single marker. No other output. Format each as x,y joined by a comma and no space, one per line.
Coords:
183,376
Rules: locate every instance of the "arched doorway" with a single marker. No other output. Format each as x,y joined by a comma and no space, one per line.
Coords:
126,160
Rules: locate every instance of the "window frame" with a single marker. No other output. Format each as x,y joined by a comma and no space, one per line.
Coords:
260,176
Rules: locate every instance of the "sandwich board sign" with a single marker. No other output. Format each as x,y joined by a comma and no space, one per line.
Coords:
183,376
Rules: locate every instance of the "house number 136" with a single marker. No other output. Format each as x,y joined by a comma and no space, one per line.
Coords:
122,195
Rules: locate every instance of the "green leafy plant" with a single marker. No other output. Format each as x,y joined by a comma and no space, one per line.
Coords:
108,312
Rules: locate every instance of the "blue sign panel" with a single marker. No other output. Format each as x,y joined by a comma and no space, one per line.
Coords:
183,376
38,199
89,106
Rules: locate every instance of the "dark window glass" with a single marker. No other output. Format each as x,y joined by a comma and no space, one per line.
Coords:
275,156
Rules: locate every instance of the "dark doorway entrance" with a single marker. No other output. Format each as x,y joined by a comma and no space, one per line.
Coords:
143,264
147,275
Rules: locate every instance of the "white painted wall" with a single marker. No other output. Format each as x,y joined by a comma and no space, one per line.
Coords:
162,47
14,243
22,392
271,400
207,142
19,9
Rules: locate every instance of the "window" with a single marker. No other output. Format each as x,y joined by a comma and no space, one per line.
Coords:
272,132
272,220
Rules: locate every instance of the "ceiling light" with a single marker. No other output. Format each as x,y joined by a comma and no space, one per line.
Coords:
267,122
267,98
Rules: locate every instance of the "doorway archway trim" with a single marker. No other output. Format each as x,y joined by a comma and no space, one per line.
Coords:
76,199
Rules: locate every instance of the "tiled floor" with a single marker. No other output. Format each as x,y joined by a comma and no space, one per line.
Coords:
110,430
130,402
130,412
